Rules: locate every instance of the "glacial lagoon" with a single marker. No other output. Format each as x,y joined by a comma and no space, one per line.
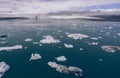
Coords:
81,42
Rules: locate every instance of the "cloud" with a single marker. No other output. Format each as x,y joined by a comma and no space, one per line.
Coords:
46,6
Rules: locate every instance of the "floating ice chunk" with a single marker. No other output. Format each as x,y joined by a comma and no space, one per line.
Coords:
110,48
81,48
110,27
59,30
68,45
66,70
93,43
118,34
67,33
3,42
61,36
40,44
49,39
61,58
77,36
74,24
35,56
3,68
100,37
25,47
11,48
94,38
59,47
35,43
101,60
107,34
28,39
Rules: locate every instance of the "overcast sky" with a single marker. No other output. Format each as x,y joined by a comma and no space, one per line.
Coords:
46,6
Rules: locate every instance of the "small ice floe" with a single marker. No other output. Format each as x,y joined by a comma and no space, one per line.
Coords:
77,36
110,27
3,68
101,31
74,24
61,58
68,45
94,38
49,39
25,47
35,56
93,43
40,44
107,34
118,34
101,60
81,49
66,69
11,48
35,43
38,33
100,37
61,36
67,33
59,30
3,42
28,39
109,48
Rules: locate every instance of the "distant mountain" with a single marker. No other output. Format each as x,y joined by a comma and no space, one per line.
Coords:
88,12
96,15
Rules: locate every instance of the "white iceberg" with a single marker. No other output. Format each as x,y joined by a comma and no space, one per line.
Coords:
68,45
109,48
11,48
101,60
3,42
35,56
81,49
35,43
93,43
66,69
94,38
77,36
28,39
61,58
49,39
118,34
3,68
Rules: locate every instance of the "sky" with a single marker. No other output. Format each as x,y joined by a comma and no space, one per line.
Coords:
48,6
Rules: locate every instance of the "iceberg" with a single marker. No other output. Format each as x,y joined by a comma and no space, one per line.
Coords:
35,56
109,48
28,39
49,39
77,36
94,38
3,68
93,43
11,48
66,69
81,49
61,58
118,34
101,60
3,42
68,45
35,43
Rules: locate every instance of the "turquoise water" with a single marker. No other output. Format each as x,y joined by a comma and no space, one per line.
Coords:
87,59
